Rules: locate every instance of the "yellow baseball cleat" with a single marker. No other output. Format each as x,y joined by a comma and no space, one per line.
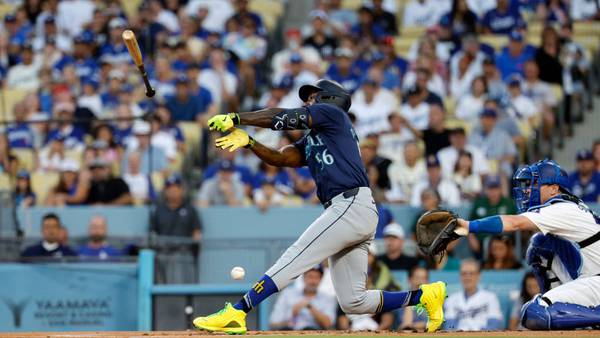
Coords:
432,299
228,320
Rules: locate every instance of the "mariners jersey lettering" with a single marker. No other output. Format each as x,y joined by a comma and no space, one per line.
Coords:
331,152
572,222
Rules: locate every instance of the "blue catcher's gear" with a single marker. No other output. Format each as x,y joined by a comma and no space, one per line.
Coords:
542,252
528,180
540,314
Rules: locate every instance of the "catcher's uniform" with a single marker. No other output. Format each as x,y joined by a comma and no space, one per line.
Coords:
572,234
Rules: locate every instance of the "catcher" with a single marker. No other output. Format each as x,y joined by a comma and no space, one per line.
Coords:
564,254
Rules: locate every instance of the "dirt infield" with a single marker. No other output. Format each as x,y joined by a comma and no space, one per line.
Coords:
305,334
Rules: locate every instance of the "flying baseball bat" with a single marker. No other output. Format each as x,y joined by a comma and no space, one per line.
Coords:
136,55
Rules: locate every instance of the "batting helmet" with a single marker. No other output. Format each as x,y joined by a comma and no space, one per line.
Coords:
327,92
528,180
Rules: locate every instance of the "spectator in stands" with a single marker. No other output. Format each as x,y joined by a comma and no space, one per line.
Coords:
468,183
405,174
371,105
395,139
267,195
97,246
122,128
341,19
20,134
416,109
23,196
320,38
304,309
465,66
224,189
584,10
242,12
242,170
501,254
394,257
472,308
547,57
52,157
529,288
495,86
174,215
90,98
542,95
585,181
344,71
49,246
520,107
512,58
140,185
391,78
297,73
293,41
72,187
448,156
6,155
502,19
162,139
279,177
553,11
104,133
153,158
367,30
73,135
25,74
420,13
459,22
411,318
114,50
495,142
164,77
106,189
220,81
448,191
426,75
436,136
370,157
595,152
188,106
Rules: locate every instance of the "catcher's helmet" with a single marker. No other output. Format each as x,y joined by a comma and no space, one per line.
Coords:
528,180
328,92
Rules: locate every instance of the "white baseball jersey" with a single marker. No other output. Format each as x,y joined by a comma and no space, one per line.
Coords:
474,313
572,222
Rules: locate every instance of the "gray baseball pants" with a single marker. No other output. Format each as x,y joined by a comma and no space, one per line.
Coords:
342,233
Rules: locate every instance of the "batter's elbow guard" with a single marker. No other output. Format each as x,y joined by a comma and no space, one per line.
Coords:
291,119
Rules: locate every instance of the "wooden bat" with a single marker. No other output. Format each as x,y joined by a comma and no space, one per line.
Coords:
134,50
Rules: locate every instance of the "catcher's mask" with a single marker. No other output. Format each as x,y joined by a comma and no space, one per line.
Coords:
528,180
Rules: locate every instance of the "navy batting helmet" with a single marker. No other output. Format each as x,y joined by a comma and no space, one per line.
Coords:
328,92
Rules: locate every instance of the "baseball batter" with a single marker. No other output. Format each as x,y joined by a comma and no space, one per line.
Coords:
345,228
564,255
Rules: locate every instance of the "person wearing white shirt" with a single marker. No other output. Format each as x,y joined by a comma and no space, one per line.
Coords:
279,61
449,155
372,104
416,110
480,7
74,14
390,143
470,105
520,106
164,17
435,83
138,182
405,174
448,191
472,308
221,83
465,179
465,66
422,13
218,13
25,74
584,10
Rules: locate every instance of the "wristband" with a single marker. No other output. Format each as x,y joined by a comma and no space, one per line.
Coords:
488,225
235,118
251,142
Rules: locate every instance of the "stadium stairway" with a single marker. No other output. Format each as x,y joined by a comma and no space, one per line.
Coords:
583,136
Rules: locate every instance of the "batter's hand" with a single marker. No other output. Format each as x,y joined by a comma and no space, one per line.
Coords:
223,122
234,140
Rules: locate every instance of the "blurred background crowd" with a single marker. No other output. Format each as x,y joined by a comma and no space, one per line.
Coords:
448,98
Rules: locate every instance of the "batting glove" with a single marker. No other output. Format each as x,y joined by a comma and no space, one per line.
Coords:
234,140
223,122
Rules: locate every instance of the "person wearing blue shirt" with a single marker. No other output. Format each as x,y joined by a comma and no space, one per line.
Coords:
20,134
82,58
279,177
23,195
585,181
244,173
72,135
242,12
343,70
97,247
187,106
114,51
367,27
513,57
502,19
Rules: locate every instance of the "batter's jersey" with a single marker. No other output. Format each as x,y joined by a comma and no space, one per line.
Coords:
570,221
480,311
331,152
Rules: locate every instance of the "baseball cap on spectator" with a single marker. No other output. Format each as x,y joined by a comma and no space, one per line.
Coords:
370,82
378,56
99,145
489,60
127,88
585,155
286,82
23,174
64,107
226,165
318,14
27,46
432,161
49,19
488,112
69,165
99,162
172,180
394,229
181,79
141,128
58,137
458,131
413,90
117,23
515,35
85,37
296,58
267,180
492,181
116,74
514,80
343,52
10,18
90,81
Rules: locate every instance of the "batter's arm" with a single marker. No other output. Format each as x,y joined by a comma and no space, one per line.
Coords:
268,118
288,156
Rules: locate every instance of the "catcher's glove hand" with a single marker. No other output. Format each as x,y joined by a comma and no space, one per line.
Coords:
435,230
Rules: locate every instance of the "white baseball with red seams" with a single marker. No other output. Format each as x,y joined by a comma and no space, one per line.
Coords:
237,272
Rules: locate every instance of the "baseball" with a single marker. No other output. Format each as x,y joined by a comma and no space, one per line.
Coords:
237,273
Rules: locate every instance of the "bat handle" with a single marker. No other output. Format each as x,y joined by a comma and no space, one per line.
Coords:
149,90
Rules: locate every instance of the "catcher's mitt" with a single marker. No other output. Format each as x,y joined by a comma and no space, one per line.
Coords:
435,230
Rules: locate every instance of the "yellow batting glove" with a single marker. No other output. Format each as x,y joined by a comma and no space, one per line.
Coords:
223,122
234,140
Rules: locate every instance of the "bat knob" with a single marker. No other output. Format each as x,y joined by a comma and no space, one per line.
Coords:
150,92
